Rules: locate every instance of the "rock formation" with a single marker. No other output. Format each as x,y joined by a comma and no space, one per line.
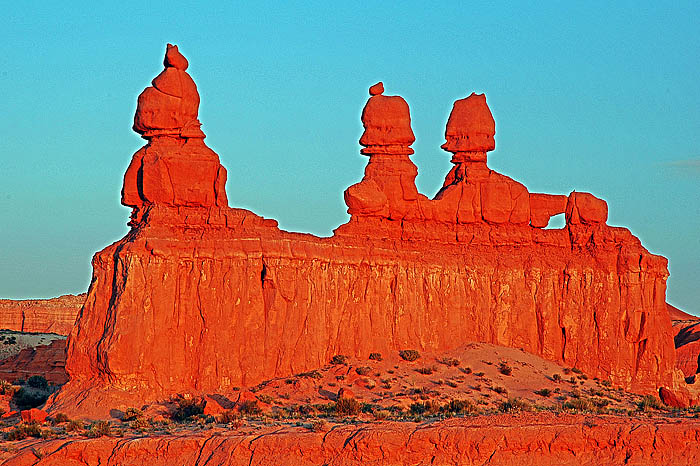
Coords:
45,360
686,329
202,298
56,315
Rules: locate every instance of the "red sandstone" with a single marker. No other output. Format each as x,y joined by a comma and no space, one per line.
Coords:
201,298
532,439
56,315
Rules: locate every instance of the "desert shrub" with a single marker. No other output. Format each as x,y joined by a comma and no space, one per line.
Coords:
99,429
23,431
451,383
187,407
74,426
514,405
409,354
458,407
649,402
556,378
60,418
249,407
317,425
228,416
131,414
606,383
38,381
5,387
339,359
364,370
140,423
310,375
449,362
579,404
504,368
479,374
375,356
466,370
428,407
576,370
426,370
500,390
28,397
265,398
381,414
347,407
545,392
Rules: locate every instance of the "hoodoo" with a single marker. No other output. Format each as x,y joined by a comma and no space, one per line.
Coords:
199,297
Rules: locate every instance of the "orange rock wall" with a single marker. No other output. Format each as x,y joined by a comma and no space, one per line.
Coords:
56,315
182,306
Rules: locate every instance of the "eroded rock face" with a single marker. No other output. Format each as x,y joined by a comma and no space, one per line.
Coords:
200,297
55,315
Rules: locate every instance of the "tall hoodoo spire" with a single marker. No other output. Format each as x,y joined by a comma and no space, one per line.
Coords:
176,168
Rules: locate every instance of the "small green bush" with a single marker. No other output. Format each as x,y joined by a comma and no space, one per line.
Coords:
579,404
458,407
131,414
504,368
60,418
426,370
514,405
364,370
545,392
38,381
375,356
23,431
409,354
29,397
74,426
249,407
428,407
649,402
99,429
187,407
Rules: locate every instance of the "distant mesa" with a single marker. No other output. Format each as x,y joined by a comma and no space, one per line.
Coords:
203,298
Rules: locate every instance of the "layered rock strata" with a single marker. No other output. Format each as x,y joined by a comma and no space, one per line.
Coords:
55,315
541,439
200,297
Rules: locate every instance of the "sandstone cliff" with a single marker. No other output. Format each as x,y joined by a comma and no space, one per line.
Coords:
56,315
200,297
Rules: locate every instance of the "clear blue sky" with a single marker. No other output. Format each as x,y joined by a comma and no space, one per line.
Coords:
591,97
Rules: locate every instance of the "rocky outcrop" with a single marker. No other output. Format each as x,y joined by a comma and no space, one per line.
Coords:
686,329
56,315
45,360
541,439
200,297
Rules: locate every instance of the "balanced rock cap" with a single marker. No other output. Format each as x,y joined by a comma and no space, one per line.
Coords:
471,126
387,122
170,106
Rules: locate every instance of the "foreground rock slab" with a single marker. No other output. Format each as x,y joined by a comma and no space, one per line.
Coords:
527,439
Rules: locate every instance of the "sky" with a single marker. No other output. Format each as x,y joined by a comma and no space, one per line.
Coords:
587,96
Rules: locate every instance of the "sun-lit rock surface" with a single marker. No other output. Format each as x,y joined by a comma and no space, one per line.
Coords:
55,315
527,439
202,298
